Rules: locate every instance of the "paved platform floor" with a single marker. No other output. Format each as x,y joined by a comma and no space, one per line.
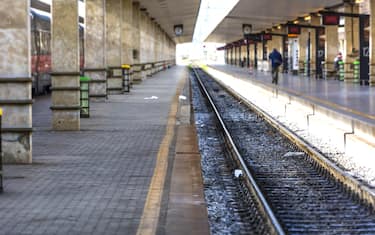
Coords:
351,98
94,181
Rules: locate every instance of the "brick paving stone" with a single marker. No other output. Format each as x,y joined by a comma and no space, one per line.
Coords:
93,181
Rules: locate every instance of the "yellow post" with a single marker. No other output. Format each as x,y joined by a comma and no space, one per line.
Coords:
126,77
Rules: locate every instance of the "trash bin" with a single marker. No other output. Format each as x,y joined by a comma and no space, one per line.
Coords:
341,71
1,153
84,94
356,71
126,77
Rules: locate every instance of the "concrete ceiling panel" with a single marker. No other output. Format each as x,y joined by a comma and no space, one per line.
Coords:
263,14
168,13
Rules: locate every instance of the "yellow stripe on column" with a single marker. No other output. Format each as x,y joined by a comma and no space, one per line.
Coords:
150,217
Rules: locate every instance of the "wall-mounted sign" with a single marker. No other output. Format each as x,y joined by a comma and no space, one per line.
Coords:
331,19
294,29
254,37
267,36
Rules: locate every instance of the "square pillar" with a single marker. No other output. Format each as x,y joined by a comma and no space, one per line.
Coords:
351,46
15,81
95,49
127,33
144,42
314,33
65,66
372,42
303,40
137,67
113,46
331,47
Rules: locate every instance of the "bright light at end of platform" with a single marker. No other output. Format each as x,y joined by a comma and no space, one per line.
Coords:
211,13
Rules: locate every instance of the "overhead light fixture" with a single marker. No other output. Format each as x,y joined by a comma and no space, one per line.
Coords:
178,30
307,18
296,22
279,27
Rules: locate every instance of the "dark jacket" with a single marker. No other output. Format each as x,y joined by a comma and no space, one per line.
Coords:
275,58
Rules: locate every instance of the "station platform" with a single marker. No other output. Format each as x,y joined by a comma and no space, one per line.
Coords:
133,168
354,99
336,117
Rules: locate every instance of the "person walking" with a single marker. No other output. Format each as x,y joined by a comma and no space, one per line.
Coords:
276,61
336,63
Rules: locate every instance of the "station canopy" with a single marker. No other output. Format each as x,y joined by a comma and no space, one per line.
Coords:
262,15
168,13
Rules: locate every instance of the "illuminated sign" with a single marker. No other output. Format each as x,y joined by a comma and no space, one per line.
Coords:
292,35
294,29
331,19
267,36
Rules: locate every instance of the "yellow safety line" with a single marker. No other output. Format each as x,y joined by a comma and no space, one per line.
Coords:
150,217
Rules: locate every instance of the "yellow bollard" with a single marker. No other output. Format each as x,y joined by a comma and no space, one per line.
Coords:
126,77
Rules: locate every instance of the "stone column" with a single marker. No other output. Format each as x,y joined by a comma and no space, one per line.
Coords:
143,54
145,43
156,50
235,54
225,56
251,55
173,52
245,55
351,41
113,45
372,43
127,32
303,37
256,52
150,46
315,21
95,49
137,76
331,47
15,81
278,44
159,50
260,56
162,54
65,65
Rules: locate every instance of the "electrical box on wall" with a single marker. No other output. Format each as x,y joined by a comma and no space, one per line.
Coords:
135,54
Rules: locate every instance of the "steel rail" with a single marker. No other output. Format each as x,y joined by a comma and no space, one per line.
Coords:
272,220
362,191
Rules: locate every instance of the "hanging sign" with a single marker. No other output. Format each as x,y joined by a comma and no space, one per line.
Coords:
294,29
331,20
267,36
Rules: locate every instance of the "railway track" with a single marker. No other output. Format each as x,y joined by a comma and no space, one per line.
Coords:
294,194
